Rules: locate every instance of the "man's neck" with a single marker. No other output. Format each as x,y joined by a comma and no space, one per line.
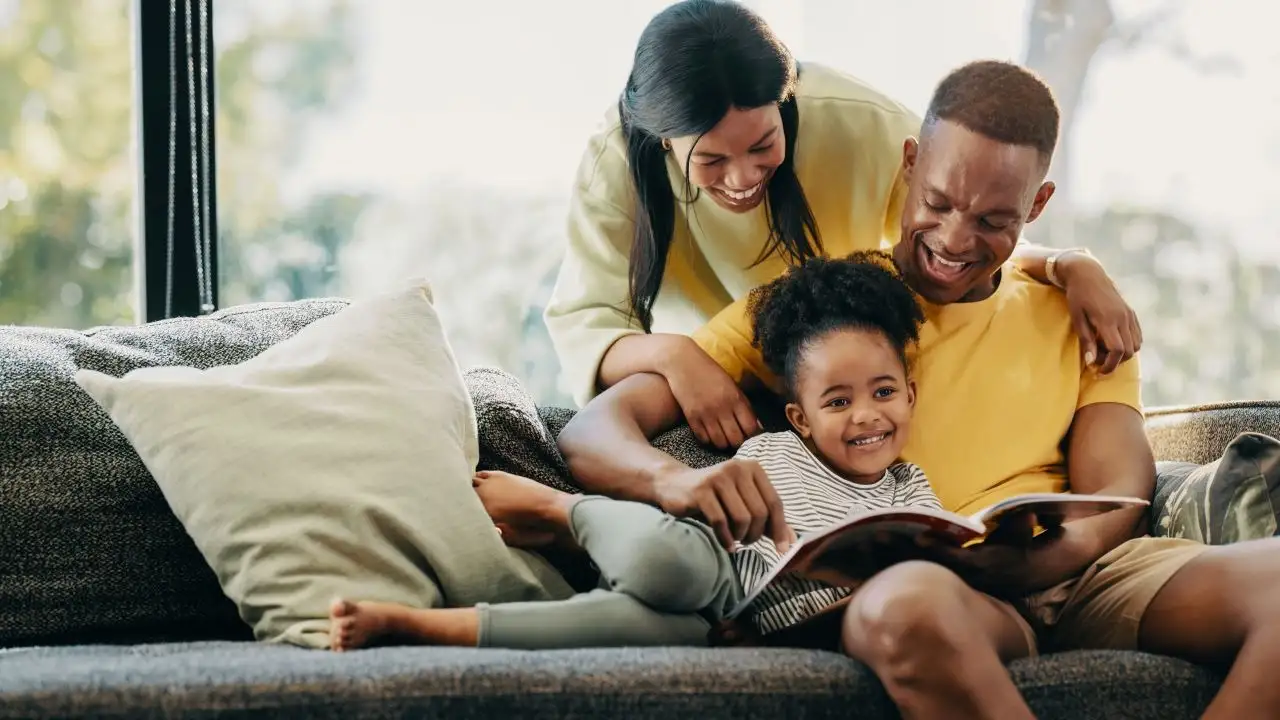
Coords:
985,290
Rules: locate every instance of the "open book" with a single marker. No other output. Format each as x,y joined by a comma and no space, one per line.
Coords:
866,542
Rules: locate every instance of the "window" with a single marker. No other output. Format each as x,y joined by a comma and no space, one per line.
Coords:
68,176
360,142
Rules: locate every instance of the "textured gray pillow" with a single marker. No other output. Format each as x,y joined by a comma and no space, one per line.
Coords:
89,550
519,437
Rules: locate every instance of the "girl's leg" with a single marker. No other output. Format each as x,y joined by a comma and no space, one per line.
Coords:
938,646
672,565
596,619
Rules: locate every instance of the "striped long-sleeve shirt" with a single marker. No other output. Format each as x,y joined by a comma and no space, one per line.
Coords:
813,498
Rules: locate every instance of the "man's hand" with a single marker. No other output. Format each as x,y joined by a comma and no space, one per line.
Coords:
1108,328
712,403
1009,563
734,497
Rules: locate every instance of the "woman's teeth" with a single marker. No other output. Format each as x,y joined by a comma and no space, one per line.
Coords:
744,194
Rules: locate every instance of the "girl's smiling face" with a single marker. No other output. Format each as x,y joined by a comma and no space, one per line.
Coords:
853,401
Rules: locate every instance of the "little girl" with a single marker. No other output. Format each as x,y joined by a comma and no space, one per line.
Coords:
838,332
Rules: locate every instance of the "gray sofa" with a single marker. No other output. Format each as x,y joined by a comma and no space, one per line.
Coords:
107,609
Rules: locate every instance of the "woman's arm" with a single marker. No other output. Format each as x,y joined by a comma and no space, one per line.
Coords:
587,314
1108,328
596,337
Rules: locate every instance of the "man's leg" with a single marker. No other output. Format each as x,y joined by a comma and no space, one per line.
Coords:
1223,606
938,645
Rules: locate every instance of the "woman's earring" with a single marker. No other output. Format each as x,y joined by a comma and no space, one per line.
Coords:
666,144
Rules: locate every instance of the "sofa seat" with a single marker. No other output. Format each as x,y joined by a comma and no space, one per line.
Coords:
240,679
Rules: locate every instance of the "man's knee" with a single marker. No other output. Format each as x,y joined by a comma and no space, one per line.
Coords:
907,614
675,567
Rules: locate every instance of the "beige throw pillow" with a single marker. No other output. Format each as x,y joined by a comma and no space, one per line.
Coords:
337,462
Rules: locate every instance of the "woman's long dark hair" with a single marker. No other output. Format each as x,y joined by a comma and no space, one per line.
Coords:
695,61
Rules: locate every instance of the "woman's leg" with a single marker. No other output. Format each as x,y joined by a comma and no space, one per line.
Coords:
596,619
938,646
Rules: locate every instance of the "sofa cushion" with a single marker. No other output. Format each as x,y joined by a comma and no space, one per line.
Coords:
242,679
337,463
1233,498
88,546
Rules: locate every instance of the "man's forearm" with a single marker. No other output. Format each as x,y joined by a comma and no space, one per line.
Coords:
1108,454
607,444
1082,543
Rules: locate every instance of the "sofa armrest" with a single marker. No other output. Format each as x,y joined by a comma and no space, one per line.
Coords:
1199,433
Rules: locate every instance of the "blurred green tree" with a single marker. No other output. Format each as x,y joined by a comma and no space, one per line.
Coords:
68,161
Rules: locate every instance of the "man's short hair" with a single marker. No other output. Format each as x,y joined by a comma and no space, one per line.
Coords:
1000,100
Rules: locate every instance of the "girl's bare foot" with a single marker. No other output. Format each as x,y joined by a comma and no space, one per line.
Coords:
353,625
529,514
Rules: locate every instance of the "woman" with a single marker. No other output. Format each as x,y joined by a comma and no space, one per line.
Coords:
724,163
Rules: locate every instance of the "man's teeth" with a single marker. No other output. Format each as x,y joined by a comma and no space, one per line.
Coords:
870,440
948,263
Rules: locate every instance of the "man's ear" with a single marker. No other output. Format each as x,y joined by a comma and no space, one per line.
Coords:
910,149
1042,198
796,417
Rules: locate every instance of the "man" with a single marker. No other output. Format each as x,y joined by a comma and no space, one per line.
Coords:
1006,405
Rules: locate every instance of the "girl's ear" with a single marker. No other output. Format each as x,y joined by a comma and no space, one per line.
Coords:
911,393
797,419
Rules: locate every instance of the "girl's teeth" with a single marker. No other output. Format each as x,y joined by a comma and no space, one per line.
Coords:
868,441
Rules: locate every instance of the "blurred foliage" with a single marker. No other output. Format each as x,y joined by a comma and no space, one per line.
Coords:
68,182
68,161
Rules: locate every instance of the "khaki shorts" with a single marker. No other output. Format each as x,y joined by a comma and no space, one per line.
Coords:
1103,608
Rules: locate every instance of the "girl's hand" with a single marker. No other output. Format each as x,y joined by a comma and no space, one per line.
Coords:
714,406
731,633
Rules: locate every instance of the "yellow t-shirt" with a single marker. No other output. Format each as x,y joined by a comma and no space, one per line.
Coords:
998,381
847,156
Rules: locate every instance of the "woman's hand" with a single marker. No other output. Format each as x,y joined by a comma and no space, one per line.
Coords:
1108,328
714,406
734,497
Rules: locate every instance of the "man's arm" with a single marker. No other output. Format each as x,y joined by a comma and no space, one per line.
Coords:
1108,454
607,448
607,443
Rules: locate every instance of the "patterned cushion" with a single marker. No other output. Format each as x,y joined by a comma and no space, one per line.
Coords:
1233,498
88,546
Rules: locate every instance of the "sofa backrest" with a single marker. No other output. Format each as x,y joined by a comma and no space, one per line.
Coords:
1198,433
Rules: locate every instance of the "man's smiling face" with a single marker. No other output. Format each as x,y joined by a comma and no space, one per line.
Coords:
968,198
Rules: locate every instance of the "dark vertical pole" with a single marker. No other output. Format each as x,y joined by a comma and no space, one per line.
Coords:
178,221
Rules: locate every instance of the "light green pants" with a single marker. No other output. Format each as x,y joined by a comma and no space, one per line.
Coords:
664,581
